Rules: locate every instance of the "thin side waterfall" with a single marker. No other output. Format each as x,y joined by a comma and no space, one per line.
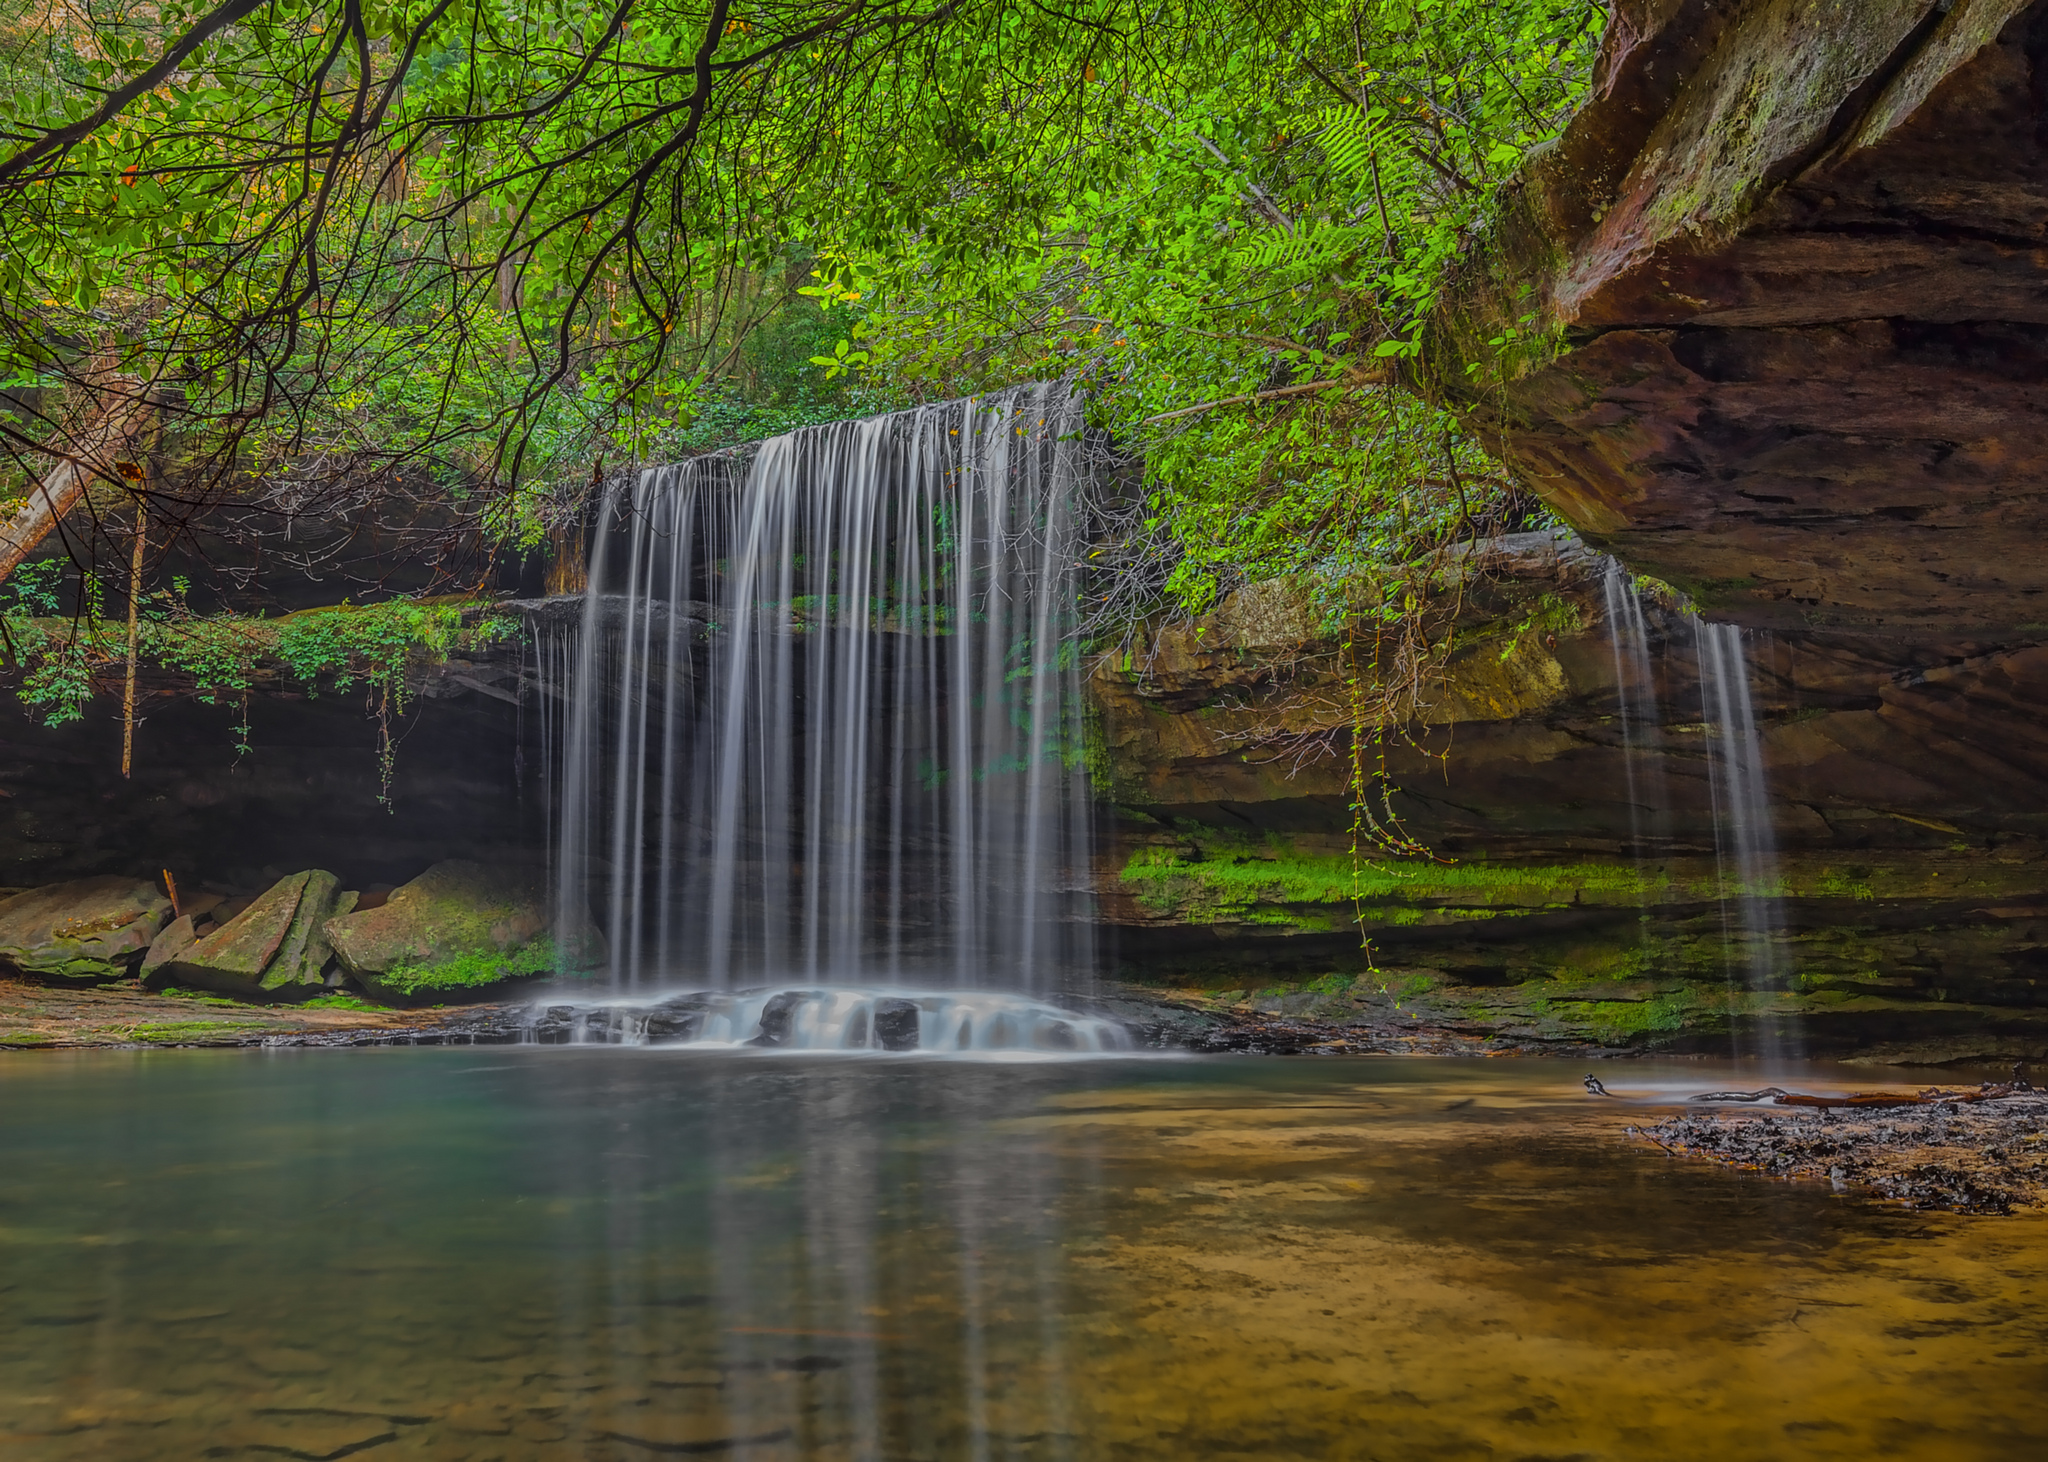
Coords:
1642,732
1635,688
1745,837
823,714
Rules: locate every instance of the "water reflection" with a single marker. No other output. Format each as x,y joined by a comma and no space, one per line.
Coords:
634,1254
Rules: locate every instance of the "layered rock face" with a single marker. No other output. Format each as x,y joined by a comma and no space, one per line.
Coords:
1777,297
1783,276
1584,885
466,782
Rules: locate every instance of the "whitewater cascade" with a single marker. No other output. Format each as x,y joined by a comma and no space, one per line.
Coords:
822,719
944,1022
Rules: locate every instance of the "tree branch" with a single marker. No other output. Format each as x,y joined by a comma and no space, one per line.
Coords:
1301,388
63,139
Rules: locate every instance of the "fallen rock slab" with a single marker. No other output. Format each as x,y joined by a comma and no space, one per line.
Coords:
171,941
87,929
302,958
264,952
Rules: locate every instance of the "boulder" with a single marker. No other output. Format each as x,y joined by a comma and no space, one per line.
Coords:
87,929
275,949
301,961
457,930
174,939
897,1025
777,1014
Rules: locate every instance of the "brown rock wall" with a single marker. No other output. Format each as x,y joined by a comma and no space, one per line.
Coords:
1795,341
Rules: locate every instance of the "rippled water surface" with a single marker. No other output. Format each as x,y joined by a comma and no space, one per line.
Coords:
637,1253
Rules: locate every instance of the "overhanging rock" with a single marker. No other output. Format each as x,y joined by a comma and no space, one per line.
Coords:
1783,327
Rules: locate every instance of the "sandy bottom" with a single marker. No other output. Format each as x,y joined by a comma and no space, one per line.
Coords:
621,1255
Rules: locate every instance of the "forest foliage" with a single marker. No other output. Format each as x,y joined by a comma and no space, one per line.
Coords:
476,253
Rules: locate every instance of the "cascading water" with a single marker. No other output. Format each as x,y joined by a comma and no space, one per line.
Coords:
833,1020
1635,681
1745,837
822,720
1642,727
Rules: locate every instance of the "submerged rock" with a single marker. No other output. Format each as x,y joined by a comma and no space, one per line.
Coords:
777,1014
896,1025
677,1019
272,950
459,928
87,929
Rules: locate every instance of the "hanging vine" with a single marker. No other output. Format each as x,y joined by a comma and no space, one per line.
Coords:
226,658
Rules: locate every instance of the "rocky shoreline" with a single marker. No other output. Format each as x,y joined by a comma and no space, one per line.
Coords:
124,1014
1966,1155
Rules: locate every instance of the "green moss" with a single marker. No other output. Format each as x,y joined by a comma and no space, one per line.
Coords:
74,969
1214,876
339,1001
1269,884
470,971
1411,986
1620,1019
25,1038
199,997
1851,885
193,1032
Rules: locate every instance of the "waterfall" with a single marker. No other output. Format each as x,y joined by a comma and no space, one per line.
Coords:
1635,688
823,717
943,1022
1745,837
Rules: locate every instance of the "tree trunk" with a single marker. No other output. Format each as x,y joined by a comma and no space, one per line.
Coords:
60,489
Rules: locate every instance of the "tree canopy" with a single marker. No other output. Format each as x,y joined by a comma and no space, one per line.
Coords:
437,266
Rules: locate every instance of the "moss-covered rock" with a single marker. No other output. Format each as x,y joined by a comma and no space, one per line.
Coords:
273,950
302,958
457,930
87,929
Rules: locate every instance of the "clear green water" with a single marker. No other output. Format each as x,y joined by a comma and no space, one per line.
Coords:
607,1254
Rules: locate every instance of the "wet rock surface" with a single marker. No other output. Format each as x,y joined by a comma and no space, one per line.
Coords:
122,1014
895,1025
1967,1156
86,929
1206,1027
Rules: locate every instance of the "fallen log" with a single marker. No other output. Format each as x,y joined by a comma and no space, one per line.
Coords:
61,488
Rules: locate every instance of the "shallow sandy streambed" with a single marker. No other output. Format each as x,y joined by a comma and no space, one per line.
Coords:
563,1253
